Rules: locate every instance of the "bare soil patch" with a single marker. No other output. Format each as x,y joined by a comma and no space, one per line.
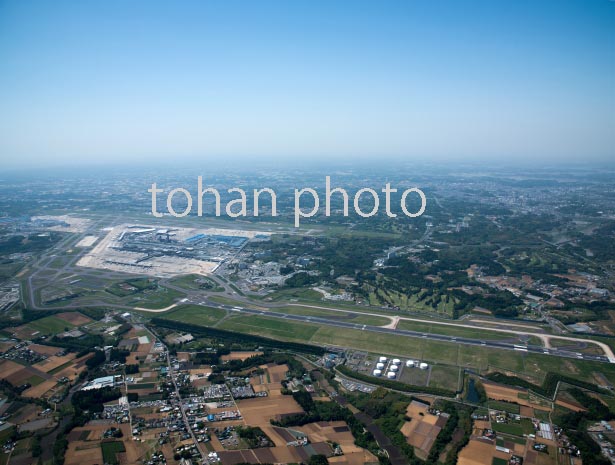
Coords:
74,318
476,453
53,362
8,367
45,350
40,389
240,355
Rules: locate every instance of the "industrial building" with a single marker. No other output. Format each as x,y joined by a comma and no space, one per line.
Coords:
99,383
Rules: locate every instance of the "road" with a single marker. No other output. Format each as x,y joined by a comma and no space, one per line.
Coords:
178,395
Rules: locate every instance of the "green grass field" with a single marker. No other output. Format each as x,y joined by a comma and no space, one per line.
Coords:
196,314
196,282
504,406
454,331
333,315
542,415
50,325
307,295
220,299
159,298
93,291
444,376
272,327
133,286
370,341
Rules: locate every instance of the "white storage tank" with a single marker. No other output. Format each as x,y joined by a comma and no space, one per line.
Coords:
377,372
393,368
379,365
391,375
410,363
423,366
382,359
396,361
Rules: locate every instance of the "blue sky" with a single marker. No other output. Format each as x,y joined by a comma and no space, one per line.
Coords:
102,82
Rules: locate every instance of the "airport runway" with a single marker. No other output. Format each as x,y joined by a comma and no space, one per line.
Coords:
409,333
194,298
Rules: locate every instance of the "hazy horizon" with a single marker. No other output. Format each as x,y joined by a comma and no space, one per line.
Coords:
153,82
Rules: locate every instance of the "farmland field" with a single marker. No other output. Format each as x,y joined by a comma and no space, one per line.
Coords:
34,380
110,451
515,429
